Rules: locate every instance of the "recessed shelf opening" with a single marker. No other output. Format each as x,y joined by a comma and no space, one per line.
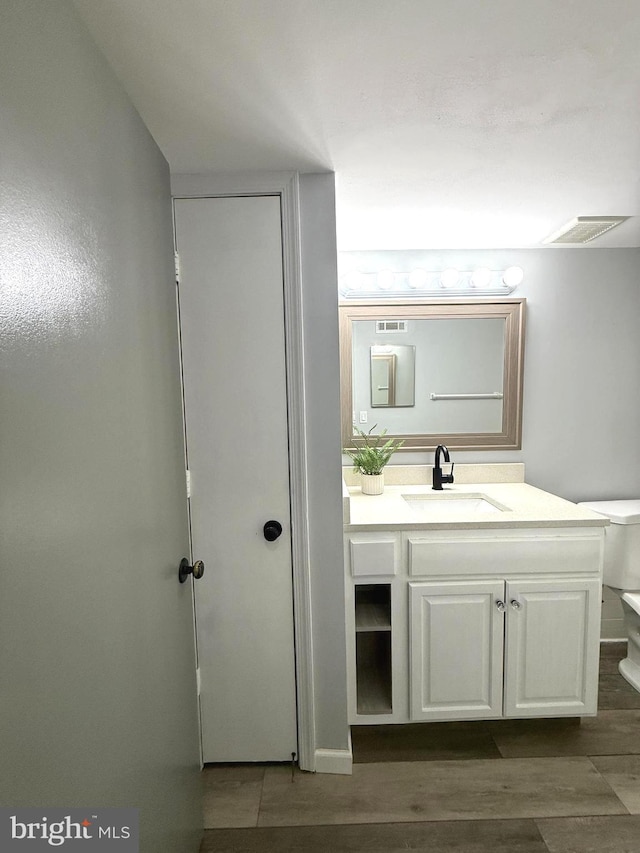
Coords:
373,648
373,607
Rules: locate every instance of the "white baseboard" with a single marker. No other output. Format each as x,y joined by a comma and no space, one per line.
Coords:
335,761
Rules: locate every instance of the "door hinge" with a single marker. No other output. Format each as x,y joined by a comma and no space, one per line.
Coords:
198,679
176,263
188,480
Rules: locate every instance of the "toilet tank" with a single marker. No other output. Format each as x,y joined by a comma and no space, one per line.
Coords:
621,542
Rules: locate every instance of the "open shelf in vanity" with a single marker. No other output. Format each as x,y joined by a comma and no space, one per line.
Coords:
372,609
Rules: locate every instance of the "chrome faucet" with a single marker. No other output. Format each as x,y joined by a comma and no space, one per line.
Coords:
438,477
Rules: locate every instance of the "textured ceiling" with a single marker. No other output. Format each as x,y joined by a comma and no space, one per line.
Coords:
457,124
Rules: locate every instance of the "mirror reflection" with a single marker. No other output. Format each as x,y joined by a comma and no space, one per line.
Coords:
441,372
392,370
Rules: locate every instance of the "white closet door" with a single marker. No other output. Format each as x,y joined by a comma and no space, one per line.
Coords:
233,345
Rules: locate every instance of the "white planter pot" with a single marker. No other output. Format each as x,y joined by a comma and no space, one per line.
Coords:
372,484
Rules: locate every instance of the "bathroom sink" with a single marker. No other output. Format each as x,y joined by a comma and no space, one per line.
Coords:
467,504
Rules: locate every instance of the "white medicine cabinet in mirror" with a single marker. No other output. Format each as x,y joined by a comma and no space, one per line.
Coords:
434,371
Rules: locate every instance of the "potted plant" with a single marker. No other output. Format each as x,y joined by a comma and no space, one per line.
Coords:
369,457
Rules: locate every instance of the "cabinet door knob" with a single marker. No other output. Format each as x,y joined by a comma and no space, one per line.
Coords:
515,604
500,605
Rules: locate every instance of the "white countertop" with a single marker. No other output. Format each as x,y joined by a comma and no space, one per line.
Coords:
525,506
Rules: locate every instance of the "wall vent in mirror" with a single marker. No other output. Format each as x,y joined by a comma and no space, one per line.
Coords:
390,326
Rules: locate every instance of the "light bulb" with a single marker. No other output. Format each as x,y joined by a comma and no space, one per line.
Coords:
385,279
354,281
449,277
418,279
480,277
512,276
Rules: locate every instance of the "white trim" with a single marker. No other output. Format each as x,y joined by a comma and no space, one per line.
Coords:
334,761
231,184
286,185
298,473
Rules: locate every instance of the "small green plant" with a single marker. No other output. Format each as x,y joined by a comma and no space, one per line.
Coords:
372,452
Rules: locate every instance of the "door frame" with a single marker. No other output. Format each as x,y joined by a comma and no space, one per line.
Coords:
286,186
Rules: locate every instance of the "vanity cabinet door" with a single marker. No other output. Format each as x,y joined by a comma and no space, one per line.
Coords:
456,650
552,647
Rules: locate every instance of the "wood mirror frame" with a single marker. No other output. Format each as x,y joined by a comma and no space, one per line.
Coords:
513,313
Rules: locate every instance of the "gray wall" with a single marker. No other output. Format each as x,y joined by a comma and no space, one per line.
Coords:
96,635
322,403
581,419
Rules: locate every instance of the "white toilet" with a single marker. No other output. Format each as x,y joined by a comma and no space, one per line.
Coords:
622,573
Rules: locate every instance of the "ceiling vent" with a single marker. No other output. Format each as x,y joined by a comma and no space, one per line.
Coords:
582,229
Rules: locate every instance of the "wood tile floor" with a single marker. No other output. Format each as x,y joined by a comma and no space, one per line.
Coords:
520,786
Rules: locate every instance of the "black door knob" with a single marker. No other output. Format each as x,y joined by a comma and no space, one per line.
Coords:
184,569
272,530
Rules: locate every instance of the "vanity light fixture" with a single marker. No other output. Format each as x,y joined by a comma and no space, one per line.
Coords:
450,281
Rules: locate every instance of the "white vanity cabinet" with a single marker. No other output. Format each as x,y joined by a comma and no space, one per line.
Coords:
514,648
477,623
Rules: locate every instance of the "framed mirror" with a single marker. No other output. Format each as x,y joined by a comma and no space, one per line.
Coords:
434,371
